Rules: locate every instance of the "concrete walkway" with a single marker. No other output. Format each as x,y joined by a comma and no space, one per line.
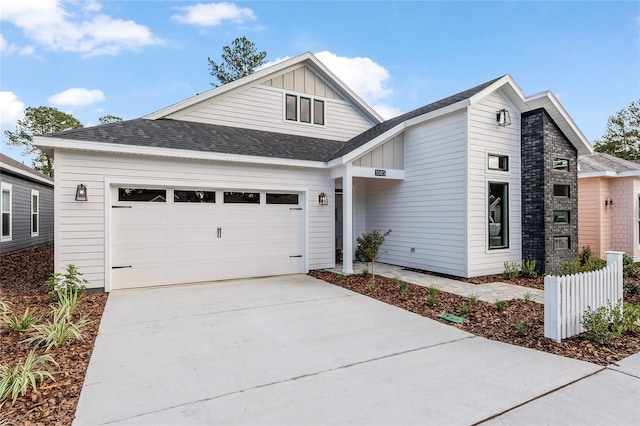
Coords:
489,292
294,350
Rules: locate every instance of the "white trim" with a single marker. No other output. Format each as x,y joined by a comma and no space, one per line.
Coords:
37,213
26,174
609,173
173,153
4,186
370,172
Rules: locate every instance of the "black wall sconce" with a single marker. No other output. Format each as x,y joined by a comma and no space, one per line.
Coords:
608,202
81,193
503,118
323,199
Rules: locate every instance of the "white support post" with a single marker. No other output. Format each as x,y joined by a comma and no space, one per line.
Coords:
347,221
552,318
617,257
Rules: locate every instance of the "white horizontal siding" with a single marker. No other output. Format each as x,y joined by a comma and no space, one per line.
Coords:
81,226
427,210
485,136
262,108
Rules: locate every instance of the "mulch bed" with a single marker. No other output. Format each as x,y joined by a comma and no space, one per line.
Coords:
22,284
520,323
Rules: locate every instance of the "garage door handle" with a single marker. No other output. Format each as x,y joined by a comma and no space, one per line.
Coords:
298,255
219,232
120,267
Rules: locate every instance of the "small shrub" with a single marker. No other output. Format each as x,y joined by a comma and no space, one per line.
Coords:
369,245
70,281
473,298
59,331
528,296
464,308
629,268
594,264
396,280
529,268
15,381
610,322
570,268
341,277
372,287
404,290
365,272
431,300
433,290
15,324
631,287
521,328
500,305
5,308
510,270
585,255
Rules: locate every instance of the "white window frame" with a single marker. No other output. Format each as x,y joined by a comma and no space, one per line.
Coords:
312,109
36,193
6,187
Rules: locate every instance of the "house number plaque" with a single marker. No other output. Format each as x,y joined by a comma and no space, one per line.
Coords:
380,172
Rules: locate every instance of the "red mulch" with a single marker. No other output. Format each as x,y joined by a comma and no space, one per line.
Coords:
22,284
484,319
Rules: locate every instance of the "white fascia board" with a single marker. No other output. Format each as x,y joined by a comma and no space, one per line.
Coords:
548,100
59,143
602,173
370,172
25,174
375,142
498,84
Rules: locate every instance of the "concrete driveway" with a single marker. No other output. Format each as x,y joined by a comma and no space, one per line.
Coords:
293,350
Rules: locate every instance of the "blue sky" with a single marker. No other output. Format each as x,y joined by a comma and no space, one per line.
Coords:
130,58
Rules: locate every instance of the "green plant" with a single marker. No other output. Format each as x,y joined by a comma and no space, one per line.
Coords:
372,287
70,281
500,305
431,300
15,381
464,308
631,287
5,308
585,255
629,268
369,245
521,328
528,296
529,268
404,289
59,331
15,324
396,280
594,264
341,277
473,298
365,272
571,268
510,270
610,322
433,289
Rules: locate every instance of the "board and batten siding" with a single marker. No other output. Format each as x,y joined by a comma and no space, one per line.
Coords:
427,210
262,108
594,225
389,155
21,214
485,137
82,227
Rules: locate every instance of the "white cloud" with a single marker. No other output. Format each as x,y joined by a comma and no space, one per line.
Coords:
7,48
11,110
212,14
50,24
364,76
77,96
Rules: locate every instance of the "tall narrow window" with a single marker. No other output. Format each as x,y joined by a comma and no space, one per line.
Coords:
498,215
35,213
5,231
292,107
318,112
305,110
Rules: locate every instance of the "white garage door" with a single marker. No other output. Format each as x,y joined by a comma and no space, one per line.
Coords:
173,235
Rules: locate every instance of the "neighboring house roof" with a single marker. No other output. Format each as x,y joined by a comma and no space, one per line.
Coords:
605,165
186,135
9,165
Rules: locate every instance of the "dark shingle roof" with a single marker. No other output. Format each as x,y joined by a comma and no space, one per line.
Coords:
383,127
206,138
174,134
25,171
600,162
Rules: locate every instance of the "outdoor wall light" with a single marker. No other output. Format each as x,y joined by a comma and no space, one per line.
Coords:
323,199
81,193
503,118
608,202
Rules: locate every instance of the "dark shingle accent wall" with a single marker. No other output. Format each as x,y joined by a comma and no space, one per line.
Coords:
542,142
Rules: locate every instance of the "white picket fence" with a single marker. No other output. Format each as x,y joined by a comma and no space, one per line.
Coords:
568,296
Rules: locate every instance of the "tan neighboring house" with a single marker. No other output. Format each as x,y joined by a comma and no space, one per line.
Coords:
609,204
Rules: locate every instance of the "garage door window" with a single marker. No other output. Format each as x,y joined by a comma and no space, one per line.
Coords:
282,198
242,197
142,195
185,196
